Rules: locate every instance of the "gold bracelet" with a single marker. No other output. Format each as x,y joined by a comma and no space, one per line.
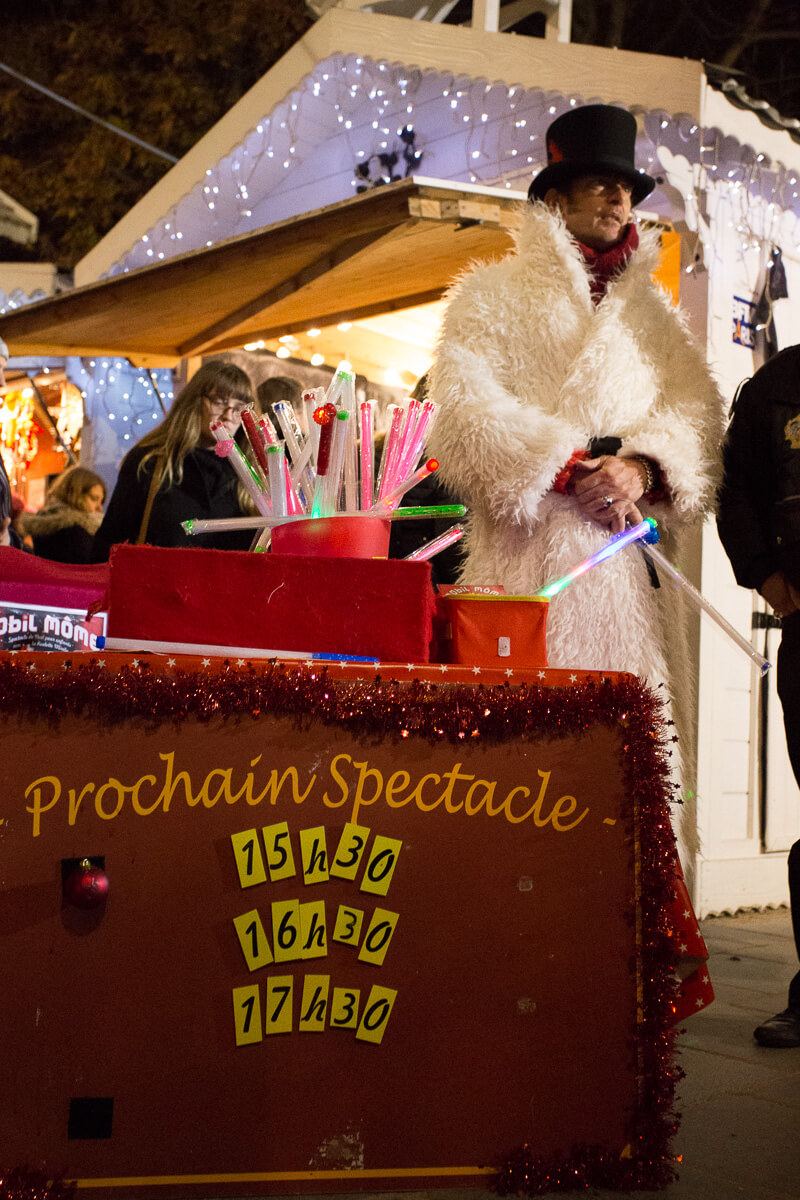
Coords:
650,475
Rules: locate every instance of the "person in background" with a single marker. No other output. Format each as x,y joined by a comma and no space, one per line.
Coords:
759,525
173,473
280,388
17,514
7,534
64,528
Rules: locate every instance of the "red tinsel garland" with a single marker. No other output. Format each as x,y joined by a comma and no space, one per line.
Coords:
387,708
27,1183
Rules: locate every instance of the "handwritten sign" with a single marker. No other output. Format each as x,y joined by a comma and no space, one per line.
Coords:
316,932
300,932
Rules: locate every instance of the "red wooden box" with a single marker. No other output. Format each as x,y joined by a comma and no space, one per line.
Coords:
382,608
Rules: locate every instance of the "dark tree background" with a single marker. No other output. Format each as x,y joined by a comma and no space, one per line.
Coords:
164,70
167,70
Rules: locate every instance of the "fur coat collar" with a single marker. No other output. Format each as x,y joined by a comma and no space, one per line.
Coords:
56,516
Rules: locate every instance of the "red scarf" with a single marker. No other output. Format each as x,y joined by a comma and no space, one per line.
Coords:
605,264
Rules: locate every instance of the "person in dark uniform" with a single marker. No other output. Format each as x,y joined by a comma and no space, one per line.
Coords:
759,524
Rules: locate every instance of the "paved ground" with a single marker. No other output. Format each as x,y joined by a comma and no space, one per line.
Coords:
740,1133
740,1130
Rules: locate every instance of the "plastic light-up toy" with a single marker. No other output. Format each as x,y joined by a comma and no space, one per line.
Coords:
226,448
258,441
698,599
423,553
324,417
343,373
334,477
405,485
229,524
367,412
277,487
647,533
646,530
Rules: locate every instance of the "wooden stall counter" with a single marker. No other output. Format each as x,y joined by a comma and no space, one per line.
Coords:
366,928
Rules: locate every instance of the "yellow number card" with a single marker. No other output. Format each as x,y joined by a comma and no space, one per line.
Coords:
348,925
381,865
314,853
344,1008
247,1015
314,1005
253,940
313,933
278,844
247,853
378,936
377,1011
286,930
351,847
278,1014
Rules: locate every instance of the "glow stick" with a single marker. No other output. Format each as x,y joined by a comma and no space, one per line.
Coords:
256,437
139,644
289,427
389,449
293,503
311,401
698,599
221,524
303,467
367,452
424,425
334,479
351,446
436,546
343,372
226,448
292,435
324,418
405,485
268,430
427,510
406,440
645,529
257,440
276,460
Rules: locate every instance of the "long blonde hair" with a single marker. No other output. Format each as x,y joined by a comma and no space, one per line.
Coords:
72,485
179,432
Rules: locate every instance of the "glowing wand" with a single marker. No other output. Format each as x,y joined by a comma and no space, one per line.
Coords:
646,529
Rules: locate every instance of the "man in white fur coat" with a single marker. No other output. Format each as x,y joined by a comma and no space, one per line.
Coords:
565,342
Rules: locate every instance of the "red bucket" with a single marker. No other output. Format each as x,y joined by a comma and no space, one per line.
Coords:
334,537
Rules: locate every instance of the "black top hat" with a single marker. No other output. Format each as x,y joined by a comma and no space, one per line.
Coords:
593,138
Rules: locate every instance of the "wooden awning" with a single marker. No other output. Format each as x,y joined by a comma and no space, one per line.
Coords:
388,249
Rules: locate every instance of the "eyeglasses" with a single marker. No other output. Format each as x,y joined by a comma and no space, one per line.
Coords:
220,406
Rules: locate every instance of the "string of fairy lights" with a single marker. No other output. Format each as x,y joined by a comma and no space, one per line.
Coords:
355,122
312,149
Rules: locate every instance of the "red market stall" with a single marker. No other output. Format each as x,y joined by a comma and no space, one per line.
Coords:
351,914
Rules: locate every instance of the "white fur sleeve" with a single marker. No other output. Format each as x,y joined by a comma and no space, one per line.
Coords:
498,449
683,432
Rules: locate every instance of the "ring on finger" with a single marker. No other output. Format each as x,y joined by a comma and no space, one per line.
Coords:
606,502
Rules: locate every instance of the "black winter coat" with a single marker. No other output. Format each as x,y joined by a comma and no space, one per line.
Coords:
208,490
759,503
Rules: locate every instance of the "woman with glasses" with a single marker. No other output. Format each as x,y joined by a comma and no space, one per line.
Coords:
173,474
